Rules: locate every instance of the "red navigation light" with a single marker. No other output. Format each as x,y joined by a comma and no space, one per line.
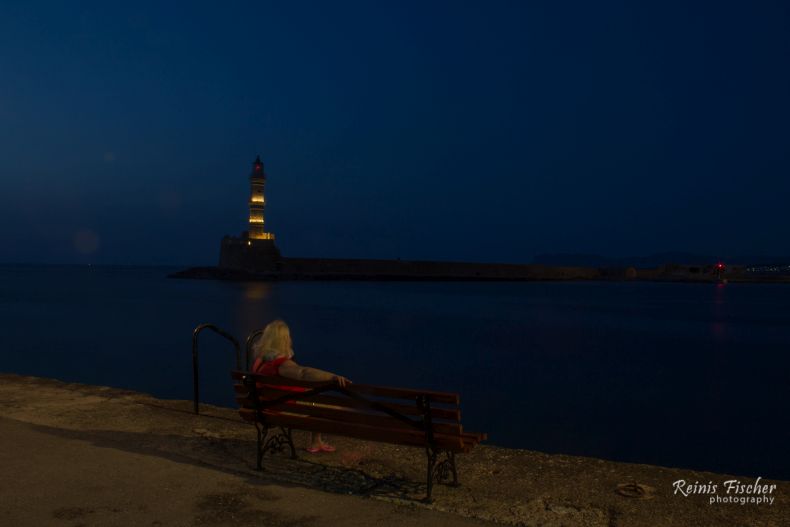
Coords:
719,265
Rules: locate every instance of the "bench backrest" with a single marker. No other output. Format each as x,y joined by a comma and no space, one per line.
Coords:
379,413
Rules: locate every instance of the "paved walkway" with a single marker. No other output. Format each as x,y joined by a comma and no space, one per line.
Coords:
49,477
76,456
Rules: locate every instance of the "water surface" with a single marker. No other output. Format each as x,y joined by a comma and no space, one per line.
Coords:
686,375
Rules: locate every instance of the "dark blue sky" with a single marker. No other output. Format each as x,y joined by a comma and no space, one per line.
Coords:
494,131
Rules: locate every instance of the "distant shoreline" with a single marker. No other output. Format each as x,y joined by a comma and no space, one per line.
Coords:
404,271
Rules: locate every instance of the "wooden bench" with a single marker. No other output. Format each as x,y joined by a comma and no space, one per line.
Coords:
418,418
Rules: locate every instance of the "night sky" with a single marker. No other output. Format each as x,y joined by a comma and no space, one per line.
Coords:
488,132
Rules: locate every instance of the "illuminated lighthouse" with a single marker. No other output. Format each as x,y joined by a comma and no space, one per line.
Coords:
254,251
258,202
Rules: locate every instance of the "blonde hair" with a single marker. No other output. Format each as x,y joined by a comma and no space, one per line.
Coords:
275,342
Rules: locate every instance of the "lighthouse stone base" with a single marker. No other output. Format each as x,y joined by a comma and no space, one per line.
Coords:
245,254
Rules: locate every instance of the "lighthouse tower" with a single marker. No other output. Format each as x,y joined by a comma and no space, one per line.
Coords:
254,251
258,202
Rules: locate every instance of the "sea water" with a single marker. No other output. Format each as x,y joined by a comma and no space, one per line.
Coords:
682,375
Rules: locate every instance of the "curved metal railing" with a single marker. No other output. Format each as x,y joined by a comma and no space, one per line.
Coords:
195,362
248,345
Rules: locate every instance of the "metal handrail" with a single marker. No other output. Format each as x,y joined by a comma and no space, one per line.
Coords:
248,345
195,365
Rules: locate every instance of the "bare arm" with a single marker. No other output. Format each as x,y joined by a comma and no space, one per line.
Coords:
291,370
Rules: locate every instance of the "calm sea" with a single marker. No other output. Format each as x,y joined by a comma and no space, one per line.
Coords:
683,375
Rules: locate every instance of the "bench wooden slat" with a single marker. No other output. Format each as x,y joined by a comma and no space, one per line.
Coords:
365,389
360,431
353,415
470,440
405,393
346,402
477,436
275,380
472,437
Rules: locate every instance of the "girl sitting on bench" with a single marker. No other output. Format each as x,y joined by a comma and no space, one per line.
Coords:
273,354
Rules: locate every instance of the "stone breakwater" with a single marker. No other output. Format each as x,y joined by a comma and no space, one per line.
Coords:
352,269
146,460
285,268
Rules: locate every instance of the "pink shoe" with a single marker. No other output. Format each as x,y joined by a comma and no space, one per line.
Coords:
314,449
327,448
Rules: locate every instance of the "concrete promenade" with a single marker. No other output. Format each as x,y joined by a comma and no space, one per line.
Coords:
76,455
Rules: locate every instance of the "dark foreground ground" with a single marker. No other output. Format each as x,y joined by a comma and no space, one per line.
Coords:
77,455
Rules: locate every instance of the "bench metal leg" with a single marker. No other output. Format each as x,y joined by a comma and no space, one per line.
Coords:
431,453
274,443
262,433
291,444
287,432
451,460
441,470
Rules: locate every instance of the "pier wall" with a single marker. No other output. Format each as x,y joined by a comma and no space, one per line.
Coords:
428,270
242,258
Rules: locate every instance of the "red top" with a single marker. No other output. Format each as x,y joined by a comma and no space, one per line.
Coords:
272,369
